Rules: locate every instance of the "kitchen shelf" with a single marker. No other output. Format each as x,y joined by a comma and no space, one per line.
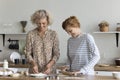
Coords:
115,32
3,34
12,33
107,32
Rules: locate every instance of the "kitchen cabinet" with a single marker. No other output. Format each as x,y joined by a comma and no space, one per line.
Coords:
22,69
17,69
87,77
111,32
3,34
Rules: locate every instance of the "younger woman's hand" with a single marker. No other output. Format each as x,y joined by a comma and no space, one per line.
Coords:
76,73
67,73
64,68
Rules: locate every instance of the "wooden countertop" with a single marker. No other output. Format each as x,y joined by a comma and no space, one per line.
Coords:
97,67
107,68
62,78
17,65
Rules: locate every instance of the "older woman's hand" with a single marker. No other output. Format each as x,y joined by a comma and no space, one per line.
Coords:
47,71
35,69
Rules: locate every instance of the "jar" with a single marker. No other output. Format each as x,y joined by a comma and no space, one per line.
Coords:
104,28
117,62
5,64
118,27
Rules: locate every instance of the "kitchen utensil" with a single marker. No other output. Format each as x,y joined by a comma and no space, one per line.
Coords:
23,23
23,61
103,65
117,39
15,55
16,61
11,45
16,46
21,46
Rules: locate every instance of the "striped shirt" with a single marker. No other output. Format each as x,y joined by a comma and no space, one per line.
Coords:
83,54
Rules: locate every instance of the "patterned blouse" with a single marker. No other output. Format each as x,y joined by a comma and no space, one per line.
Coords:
42,50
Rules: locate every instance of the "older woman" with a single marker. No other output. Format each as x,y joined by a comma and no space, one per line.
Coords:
42,44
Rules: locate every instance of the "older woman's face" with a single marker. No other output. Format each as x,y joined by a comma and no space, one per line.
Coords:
42,24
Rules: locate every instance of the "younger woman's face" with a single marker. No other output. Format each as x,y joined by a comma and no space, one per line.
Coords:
73,31
42,24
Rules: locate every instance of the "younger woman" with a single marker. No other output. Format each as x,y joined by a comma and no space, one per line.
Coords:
82,51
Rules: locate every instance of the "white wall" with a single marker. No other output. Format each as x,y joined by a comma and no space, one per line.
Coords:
89,12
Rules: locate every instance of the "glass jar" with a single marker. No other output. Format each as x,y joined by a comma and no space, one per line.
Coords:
5,64
118,27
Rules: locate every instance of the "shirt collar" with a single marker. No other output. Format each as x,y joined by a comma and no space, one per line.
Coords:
38,31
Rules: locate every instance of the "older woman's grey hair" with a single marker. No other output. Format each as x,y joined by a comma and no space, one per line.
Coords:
40,14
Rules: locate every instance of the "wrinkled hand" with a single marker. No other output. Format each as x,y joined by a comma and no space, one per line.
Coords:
35,69
48,67
47,71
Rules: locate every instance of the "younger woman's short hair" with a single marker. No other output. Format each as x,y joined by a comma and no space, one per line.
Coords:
40,14
72,21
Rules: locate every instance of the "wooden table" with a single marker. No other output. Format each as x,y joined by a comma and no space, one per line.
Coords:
97,67
107,68
62,78
12,65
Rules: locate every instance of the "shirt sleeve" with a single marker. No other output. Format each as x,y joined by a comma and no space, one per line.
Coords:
28,47
55,49
68,57
94,52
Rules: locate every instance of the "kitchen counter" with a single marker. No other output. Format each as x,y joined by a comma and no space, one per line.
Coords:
62,78
17,65
97,67
107,68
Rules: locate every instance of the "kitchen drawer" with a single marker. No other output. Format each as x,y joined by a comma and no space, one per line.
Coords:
104,73
22,69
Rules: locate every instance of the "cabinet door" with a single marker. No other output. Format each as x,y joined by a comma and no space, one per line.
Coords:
22,69
103,73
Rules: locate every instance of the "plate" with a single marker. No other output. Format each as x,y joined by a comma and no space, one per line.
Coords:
5,72
15,75
14,55
38,75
